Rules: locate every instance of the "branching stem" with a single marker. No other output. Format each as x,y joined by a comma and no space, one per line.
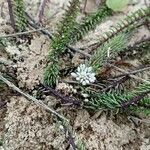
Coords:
135,99
132,76
133,72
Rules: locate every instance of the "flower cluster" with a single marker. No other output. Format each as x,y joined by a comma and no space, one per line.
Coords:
12,50
66,88
84,74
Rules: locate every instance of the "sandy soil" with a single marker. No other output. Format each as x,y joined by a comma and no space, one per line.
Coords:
24,126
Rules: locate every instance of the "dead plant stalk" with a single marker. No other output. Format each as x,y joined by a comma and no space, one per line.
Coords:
31,98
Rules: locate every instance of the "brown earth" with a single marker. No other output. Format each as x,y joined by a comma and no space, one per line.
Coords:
25,126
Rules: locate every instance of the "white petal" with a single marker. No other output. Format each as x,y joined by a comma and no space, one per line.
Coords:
83,73
81,80
85,95
83,83
92,79
86,100
92,75
87,81
89,69
79,69
77,78
86,70
73,74
82,66
78,73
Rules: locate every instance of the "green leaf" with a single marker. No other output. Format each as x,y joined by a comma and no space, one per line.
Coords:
117,5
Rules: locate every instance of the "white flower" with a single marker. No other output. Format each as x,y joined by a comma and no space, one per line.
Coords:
86,100
61,127
2,21
12,50
108,52
85,95
84,74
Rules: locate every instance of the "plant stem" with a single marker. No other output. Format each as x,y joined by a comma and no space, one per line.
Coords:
45,32
132,76
64,99
135,99
124,24
22,33
41,10
121,80
38,102
85,3
133,72
11,14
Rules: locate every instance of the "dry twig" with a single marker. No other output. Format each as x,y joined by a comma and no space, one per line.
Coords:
31,98
41,10
133,118
23,33
11,14
126,72
115,83
135,99
45,32
64,99
133,72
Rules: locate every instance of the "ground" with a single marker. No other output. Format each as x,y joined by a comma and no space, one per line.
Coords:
25,126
